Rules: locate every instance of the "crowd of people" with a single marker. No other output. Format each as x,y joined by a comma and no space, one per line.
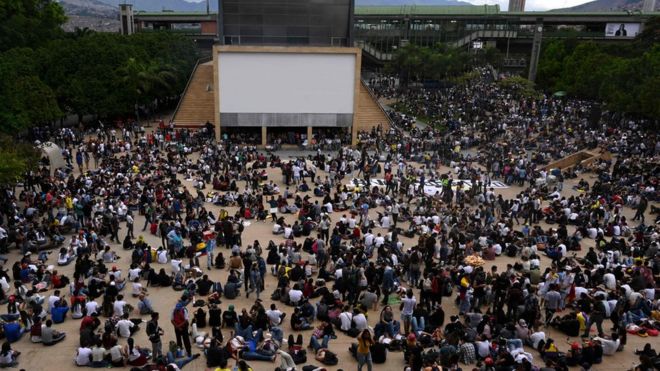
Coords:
382,264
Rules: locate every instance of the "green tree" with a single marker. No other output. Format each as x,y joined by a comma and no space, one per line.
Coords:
28,23
17,159
25,98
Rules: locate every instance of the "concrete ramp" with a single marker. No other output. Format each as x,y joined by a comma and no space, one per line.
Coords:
197,103
584,157
370,113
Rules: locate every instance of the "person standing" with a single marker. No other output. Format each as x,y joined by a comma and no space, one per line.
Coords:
155,332
364,350
129,225
408,303
551,300
180,319
641,208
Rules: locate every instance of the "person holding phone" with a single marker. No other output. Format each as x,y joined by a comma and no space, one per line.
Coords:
363,354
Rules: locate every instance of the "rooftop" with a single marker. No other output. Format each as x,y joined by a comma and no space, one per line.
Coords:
427,10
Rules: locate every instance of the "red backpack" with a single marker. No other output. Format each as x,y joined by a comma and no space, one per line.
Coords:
179,318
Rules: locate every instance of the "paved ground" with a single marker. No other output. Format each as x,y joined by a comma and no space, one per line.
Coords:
60,357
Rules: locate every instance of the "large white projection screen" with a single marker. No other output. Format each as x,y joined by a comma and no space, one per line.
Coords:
286,82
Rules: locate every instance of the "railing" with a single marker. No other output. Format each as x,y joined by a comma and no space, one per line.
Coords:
185,90
381,56
486,34
375,99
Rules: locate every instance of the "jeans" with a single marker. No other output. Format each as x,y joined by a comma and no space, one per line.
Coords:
209,259
156,349
512,344
315,343
598,320
255,356
418,325
179,362
247,333
278,334
391,328
362,359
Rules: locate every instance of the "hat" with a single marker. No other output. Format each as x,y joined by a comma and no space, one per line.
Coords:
489,361
230,307
575,345
28,253
522,323
412,337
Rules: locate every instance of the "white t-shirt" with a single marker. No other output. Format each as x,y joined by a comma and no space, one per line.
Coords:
609,280
51,302
91,307
408,305
162,257
274,316
134,273
84,356
125,327
295,295
360,321
118,307
483,348
536,338
137,288
345,318
115,353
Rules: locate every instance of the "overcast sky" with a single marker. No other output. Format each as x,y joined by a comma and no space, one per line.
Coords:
533,4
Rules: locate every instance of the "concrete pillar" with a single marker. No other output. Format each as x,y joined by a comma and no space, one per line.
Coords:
126,19
536,49
649,6
309,135
264,136
354,132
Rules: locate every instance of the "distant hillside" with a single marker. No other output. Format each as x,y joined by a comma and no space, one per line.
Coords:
607,6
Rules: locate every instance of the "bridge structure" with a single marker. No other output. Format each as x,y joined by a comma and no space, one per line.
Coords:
381,30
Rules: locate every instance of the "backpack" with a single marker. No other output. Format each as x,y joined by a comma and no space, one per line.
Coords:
299,356
330,358
531,304
379,353
179,318
152,331
200,317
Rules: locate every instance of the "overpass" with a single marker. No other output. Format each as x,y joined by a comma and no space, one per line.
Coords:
381,30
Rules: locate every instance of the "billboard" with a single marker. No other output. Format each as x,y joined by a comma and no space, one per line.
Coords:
622,29
287,83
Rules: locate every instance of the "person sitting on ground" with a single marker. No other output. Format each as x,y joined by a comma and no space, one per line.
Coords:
8,356
50,336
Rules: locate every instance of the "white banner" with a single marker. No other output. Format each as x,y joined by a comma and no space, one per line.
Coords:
622,29
431,187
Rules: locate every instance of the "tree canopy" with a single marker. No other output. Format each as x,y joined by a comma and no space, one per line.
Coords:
626,77
86,72
417,63
48,74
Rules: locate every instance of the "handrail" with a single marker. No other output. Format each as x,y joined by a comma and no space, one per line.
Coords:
185,90
373,96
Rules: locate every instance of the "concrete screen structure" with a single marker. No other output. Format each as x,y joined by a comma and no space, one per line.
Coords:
286,87
286,83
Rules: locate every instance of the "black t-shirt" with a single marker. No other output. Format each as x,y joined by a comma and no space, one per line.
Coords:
204,287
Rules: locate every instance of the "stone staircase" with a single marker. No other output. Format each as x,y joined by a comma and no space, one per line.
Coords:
196,106
370,113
